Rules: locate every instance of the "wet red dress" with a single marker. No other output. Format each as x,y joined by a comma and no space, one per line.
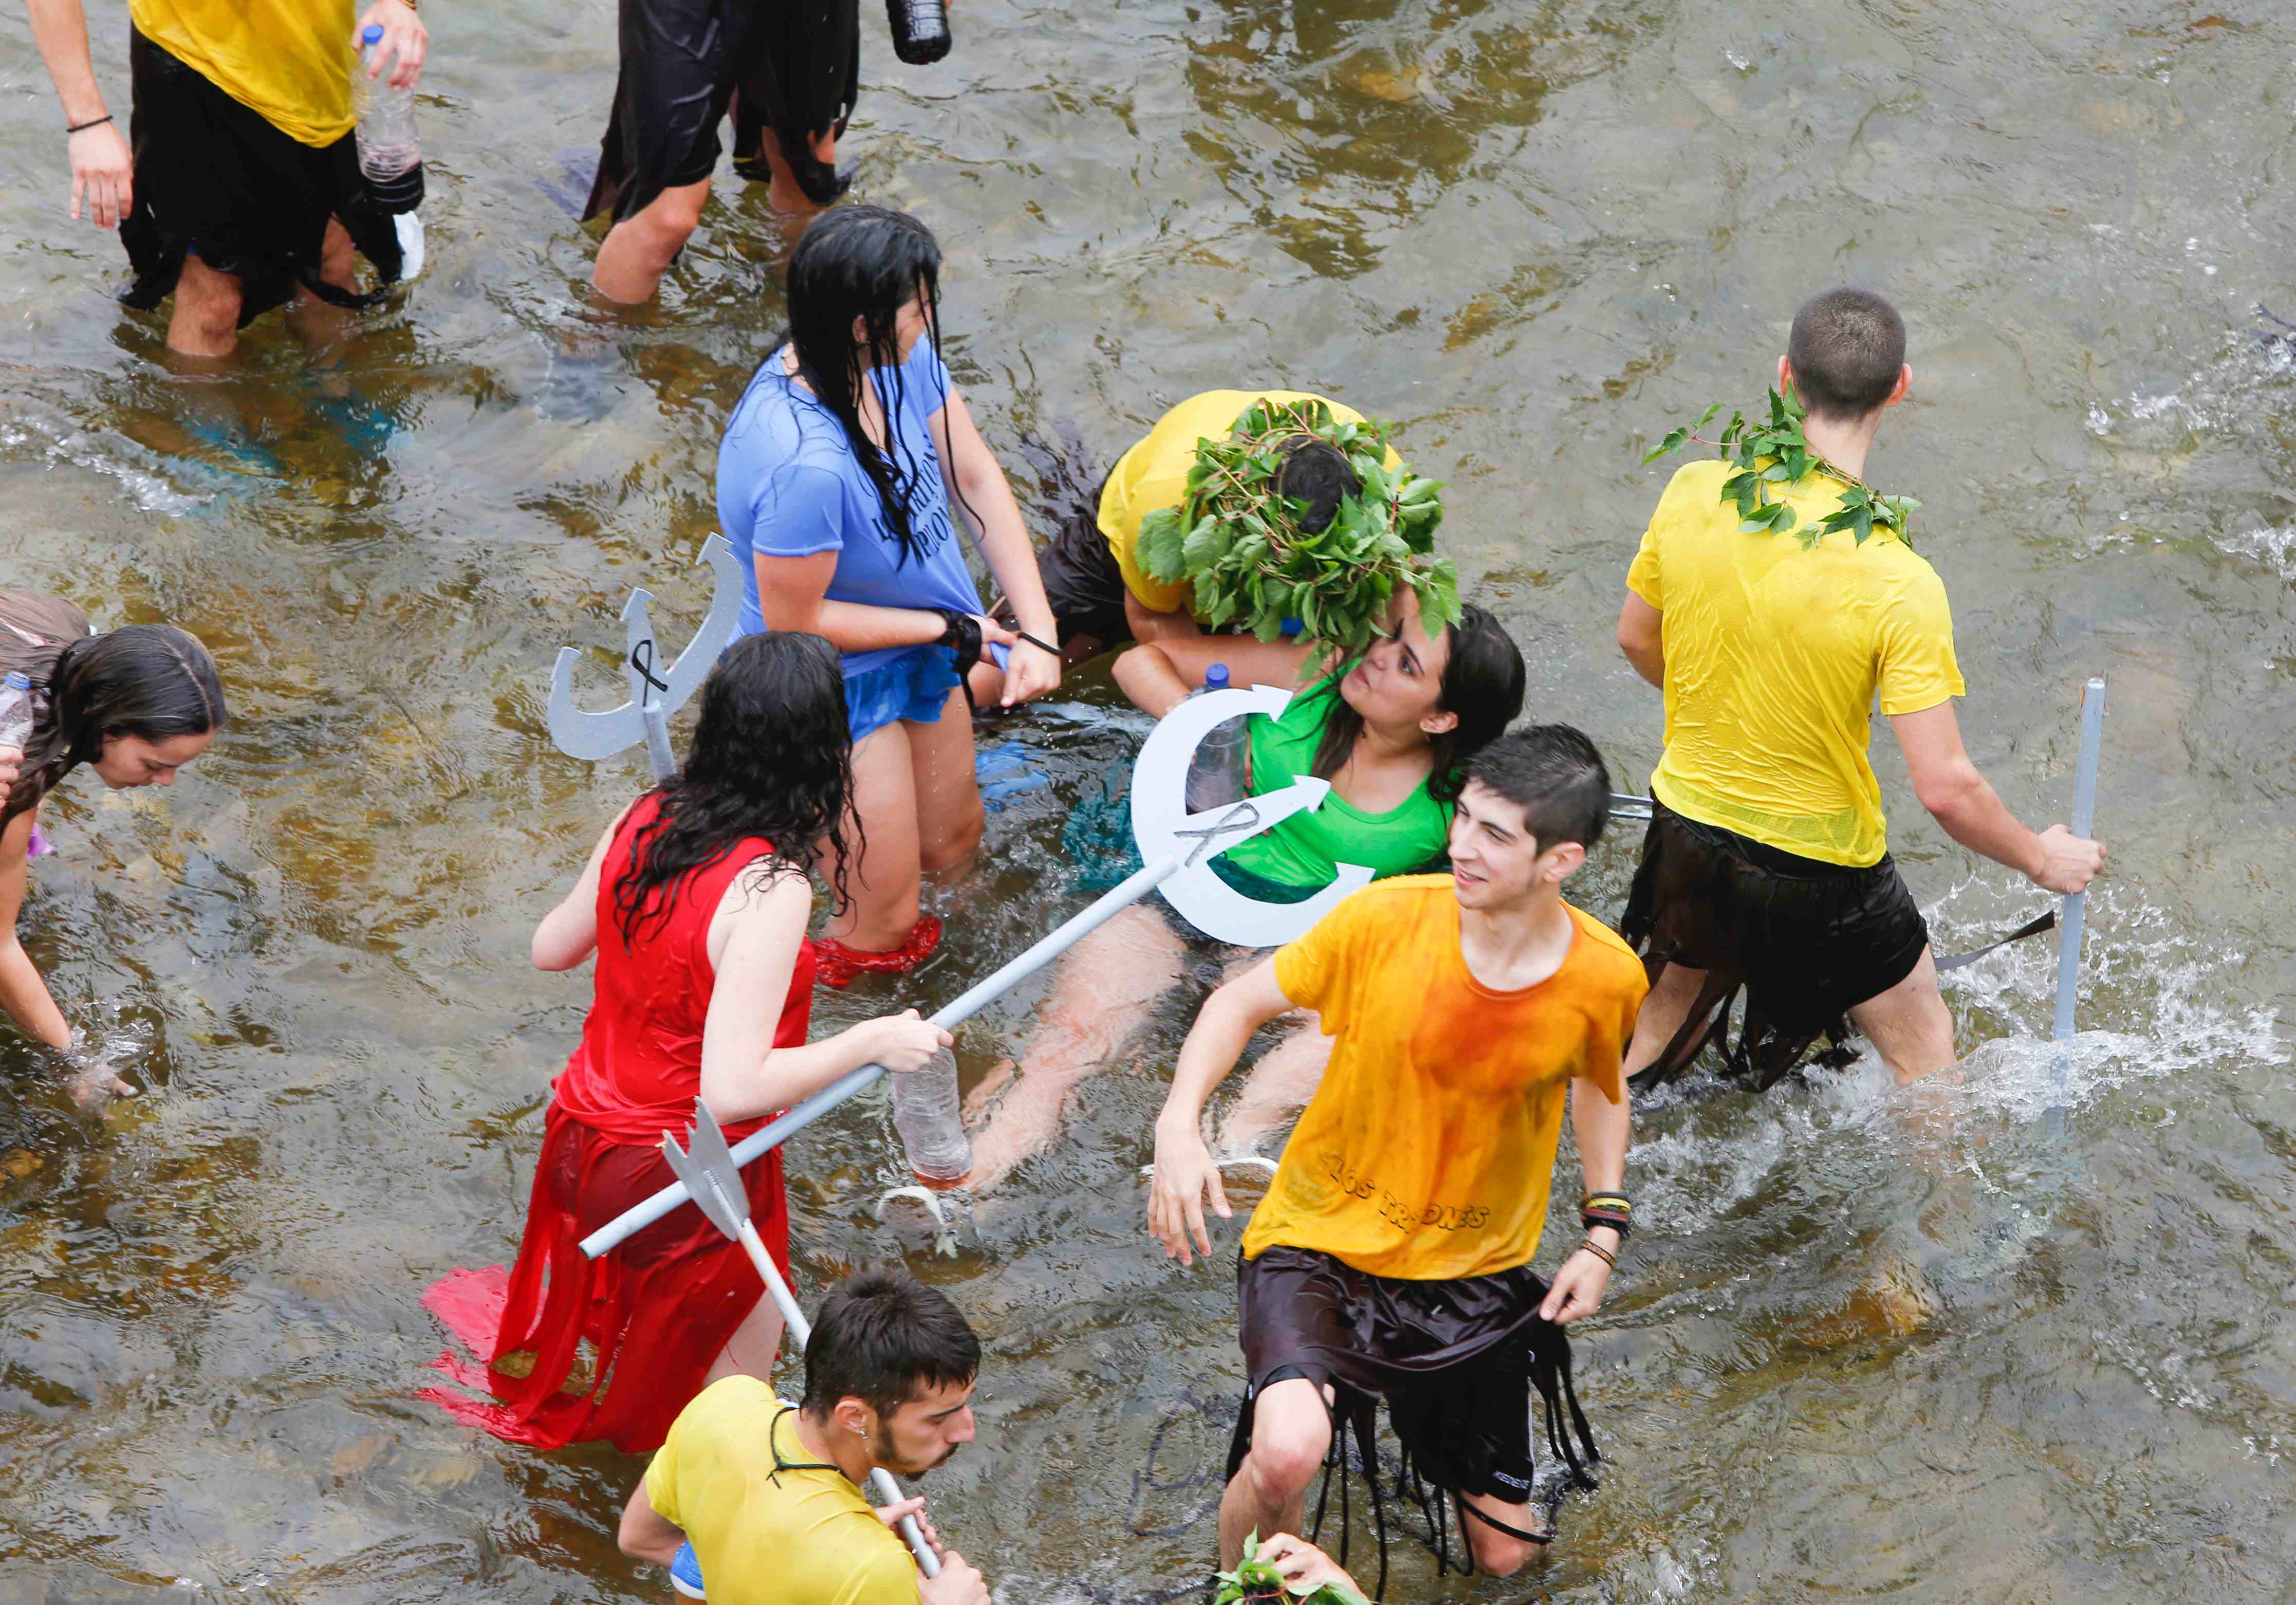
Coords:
657,1310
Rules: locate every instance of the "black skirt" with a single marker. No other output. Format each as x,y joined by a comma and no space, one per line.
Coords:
215,179
1808,941
791,67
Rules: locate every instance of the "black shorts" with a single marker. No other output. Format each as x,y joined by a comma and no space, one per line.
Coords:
793,66
216,180
1808,940
1457,1361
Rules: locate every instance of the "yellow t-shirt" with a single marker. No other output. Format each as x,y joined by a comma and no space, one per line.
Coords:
288,59
768,1537
1154,475
1429,1149
1774,655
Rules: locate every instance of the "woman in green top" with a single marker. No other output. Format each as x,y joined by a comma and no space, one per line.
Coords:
1392,734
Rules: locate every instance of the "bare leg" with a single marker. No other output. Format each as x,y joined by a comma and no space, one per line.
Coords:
315,322
639,249
884,882
1278,1089
1495,1552
1101,992
1156,675
750,1352
1667,1006
1908,1025
1291,1432
782,195
205,321
949,816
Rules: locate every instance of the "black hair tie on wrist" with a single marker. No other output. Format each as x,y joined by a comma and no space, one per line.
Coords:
961,637
72,128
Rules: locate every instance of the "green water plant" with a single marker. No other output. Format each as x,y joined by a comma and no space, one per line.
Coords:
1768,457
1238,539
1255,1581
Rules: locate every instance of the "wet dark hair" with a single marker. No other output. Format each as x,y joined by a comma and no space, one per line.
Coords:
1847,347
1555,775
1482,683
1316,473
883,1337
771,758
865,262
151,681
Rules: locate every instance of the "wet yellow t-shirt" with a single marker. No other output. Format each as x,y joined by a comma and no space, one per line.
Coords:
1773,657
768,1537
1154,475
1429,1149
288,59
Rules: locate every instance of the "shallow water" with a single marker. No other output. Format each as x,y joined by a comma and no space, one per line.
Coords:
1942,1349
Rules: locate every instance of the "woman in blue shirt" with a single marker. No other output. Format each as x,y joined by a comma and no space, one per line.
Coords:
836,493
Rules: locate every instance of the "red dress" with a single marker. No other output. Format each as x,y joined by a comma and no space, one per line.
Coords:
657,1310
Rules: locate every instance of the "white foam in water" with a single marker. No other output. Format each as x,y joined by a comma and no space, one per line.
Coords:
148,489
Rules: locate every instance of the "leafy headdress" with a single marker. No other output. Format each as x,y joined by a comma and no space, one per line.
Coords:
1239,538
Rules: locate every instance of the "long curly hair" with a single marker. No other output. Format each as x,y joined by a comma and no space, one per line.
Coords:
771,758
147,680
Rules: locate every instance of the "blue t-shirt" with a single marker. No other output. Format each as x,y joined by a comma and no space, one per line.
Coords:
790,485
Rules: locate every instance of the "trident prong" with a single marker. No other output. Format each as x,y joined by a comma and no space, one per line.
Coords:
656,692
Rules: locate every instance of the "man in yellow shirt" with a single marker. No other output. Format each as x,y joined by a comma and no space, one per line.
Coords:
1392,1256
769,1495
1100,595
1768,862
243,189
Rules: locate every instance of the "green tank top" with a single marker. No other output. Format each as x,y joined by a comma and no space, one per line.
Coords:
1305,852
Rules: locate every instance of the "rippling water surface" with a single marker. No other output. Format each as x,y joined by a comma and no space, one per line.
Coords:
1943,1347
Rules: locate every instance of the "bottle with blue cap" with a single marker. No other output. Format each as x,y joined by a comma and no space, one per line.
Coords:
1216,772
390,155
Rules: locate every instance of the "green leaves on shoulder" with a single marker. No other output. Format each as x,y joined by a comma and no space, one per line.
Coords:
1773,455
1160,544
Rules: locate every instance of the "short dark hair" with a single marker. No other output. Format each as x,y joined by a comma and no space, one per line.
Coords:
1316,473
1846,349
883,1337
1555,775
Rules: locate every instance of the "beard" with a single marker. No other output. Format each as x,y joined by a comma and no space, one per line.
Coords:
882,1452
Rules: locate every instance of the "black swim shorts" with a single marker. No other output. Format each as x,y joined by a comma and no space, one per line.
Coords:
1457,1361
1808,940
215,179
792,67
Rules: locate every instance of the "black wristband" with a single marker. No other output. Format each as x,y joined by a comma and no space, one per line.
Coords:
1042,646
72,128
961,637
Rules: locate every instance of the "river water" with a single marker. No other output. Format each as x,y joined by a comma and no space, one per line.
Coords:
1946,1347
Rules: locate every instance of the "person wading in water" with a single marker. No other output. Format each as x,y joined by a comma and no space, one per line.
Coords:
695,901
1767,863
135,705
1392,1256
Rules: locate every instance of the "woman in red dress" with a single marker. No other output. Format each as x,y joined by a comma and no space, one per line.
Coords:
696,903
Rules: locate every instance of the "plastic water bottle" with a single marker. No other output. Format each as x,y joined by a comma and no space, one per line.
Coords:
919,30
389,152
18,711
1216,772
926,1115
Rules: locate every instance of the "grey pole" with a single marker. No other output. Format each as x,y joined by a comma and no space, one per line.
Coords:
2076,904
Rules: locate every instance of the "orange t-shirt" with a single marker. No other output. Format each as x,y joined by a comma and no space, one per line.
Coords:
1429,1149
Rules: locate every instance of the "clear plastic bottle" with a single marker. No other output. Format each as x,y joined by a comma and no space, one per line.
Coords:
926,1114
389,154
1216,772
919,30
18,711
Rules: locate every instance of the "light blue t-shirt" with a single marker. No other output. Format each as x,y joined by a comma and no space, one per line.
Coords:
790,485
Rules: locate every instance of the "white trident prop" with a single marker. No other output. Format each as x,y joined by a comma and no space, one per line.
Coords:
656,692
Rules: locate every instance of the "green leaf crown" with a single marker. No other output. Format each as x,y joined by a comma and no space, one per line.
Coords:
1773,457
1238,539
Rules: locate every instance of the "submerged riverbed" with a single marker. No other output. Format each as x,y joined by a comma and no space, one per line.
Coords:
1939,1347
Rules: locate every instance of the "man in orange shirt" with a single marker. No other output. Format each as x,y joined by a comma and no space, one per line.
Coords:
1392,1256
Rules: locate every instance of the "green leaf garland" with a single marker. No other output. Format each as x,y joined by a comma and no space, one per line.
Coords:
1254,1581
1775,456
1239,541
